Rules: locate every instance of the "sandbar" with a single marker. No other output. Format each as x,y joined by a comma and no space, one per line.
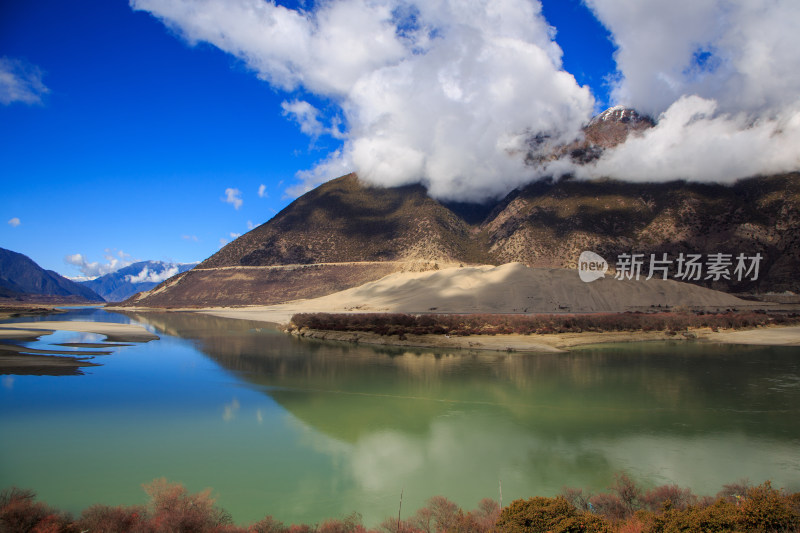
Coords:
561,342
112,331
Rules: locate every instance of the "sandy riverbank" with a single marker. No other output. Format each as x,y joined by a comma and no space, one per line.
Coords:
559,342
114,332
513,288
18,359
767,336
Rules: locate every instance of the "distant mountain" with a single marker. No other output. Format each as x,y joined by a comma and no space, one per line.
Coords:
22,279
606,130
141,276
345,233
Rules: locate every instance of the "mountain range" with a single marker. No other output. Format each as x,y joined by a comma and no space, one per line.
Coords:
127,281
345,232
22,280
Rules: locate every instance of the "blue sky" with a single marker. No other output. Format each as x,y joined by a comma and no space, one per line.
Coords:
131,124
140,134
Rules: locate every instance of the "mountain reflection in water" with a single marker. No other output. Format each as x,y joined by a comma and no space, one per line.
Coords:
306,430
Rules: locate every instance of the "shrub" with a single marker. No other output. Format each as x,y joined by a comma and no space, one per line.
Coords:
173,509
610,506
106,519
576,497
665,497
268,525
628,492
20,512
544,515
491,324
766,509
721,517
350,524
735,491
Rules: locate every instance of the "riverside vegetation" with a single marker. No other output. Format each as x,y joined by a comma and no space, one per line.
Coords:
497,324
625,508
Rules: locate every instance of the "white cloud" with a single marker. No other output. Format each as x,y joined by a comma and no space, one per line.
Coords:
233,197
190,238
234,235
325,51
305,115
442,92
250,225
94,269
20,82
262,191
694,142
452,93
14,222
154,275
741,53
721,78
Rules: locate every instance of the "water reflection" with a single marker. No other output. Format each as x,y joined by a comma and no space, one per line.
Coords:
307,430
697,414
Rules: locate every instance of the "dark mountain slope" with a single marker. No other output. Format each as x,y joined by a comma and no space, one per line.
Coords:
548,224
22,279
344,220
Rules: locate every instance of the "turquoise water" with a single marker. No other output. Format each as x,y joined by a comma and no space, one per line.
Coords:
306,430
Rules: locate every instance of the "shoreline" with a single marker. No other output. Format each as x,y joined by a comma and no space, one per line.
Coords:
16,359
561,342
279,316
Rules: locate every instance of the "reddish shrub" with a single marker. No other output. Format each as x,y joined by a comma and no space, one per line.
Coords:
351,524
268,525
735,491
576,497
20,512
173,509
300,528
629,493
667,497
107,519
610,506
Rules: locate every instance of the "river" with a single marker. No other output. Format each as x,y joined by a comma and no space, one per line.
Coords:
306,430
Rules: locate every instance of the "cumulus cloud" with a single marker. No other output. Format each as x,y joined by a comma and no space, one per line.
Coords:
455,94
693,141
741,53
720,76
262,191
14,222
94,269
444,92
20,82
233,197
153,275
250,225
305,115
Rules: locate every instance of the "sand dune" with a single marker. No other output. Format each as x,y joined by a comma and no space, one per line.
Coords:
509,288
